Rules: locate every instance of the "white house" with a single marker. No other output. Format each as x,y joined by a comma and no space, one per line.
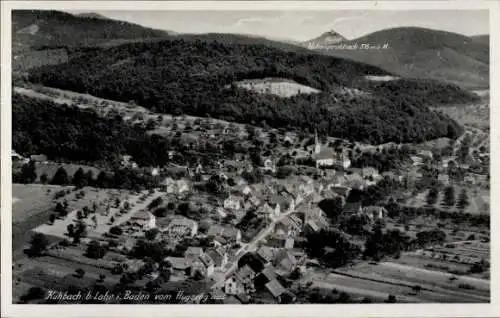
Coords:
233,202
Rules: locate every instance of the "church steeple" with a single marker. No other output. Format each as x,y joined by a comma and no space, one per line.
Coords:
317,146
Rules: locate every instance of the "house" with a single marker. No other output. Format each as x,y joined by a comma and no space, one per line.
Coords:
412,176
229,234
416,160
219,241
290,225
144,219
425,154
289,243
193,252
470,179
169,185
203,265
375,212
242,187
324,158
199,169
444,178
280,204
354,181
233,286
277,240
351,208
218,256
369,172
233,202
284,262
246,276
267,274
179,264
18,158
340,190
38,158
182,227
183,185
269,165
265,253
275,288
155,171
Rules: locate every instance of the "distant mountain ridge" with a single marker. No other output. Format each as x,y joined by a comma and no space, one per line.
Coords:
324,40
418,52
35,29
483,38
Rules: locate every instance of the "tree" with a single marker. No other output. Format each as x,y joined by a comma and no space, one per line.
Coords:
102,277
151,234
39,244
79,273
28,173
79,179
95,250
89,177
463,200
116,230
449,197
44,178
60,209
102,180
33,293
60,177
432,196
70,228
331,207
391,299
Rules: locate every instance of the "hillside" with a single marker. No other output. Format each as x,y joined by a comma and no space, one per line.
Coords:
324,40
420,52
198,76
36,29
483,38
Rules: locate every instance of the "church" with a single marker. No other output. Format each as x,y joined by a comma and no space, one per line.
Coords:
327,157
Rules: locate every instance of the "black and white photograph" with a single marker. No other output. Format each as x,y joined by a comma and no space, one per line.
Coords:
246,157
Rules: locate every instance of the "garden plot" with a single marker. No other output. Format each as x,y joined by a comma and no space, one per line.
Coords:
102,222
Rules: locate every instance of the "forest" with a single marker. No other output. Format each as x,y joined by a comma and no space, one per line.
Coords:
76,135
195,77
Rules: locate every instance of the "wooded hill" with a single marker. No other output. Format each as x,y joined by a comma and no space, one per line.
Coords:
193,76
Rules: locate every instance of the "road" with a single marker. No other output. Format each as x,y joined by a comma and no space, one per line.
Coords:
252,246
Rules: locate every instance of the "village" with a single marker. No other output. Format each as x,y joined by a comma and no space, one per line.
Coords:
234,222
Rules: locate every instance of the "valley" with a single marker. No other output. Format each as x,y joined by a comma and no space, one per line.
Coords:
246,170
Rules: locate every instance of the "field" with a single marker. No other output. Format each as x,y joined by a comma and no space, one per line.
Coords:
478,200
32,206
102,198
477,115
397,277
280,87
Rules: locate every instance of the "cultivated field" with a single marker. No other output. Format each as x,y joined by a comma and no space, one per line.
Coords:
408,283
477,115
102,198
280,87
478,200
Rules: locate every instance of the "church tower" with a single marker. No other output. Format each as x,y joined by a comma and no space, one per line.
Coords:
317,146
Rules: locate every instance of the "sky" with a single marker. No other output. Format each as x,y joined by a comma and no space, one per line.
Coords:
305,25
